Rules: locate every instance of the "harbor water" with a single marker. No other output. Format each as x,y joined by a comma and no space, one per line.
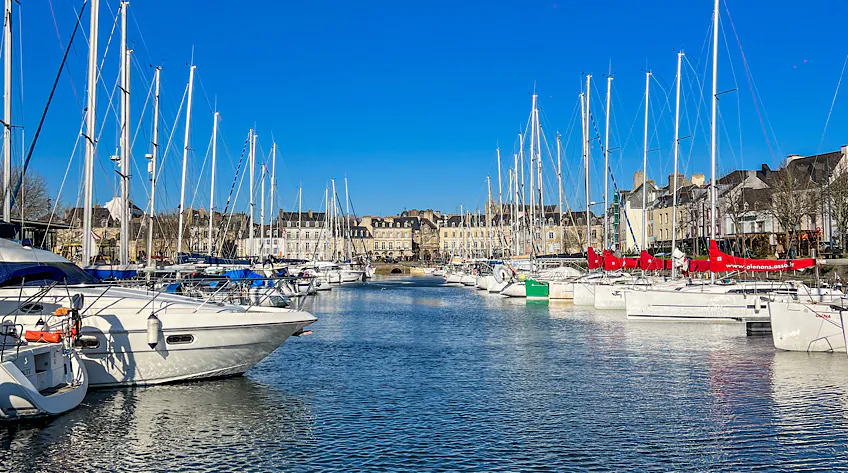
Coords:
405,374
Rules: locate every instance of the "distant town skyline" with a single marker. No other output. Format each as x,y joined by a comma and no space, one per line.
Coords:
409,101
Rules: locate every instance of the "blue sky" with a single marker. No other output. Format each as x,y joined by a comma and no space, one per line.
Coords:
409,99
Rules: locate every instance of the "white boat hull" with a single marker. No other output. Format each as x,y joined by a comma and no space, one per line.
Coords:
584,293
609,296
515,289
694,306
469,280
24,388
561,290
495,286
483,283
805,327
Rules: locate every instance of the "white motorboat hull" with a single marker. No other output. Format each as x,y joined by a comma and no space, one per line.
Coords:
26,380
515,289
609,296
352,275
561,290
694,306
483,283
453,278
797,326
495,286
217,340
469,280
584,293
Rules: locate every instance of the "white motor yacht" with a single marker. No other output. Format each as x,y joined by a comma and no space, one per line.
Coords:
135,336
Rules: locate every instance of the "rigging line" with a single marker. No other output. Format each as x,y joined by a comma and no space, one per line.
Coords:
741,162
62,48
832,103
202,167
227,211
44,113
755,93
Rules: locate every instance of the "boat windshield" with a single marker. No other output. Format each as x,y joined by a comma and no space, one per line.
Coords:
39,274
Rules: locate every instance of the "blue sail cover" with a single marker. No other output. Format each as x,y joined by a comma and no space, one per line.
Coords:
246,274
14,274
111,272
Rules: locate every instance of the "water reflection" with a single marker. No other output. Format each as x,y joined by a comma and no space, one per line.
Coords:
407,374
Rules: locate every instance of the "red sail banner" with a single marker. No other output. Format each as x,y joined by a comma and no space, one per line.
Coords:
648,262
721,262
595,261
699,265
612,263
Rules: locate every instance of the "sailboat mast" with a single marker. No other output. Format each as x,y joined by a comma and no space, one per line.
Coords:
299,221
273,185
262,172
606,164
212,185
559,190
7,113
532,171
645,166
251,159
713,128
125,138
676,153
539,180
154,151
185,160
515,205
333,220
348,242
587,162
500,195
90,133
489,215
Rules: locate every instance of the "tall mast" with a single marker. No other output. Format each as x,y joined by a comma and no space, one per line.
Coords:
125,138
333,219
273,185
326,218
262,210
489,216
212,185
185,160
606,164
676,152
587,162
645,166
90,133
462,223
348,241
500,195
154,151
583,151
713,128
7,113
532,171
515,206
299,221
540,182
559,192
251,158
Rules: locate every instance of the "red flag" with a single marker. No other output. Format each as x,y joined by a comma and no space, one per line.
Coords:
595,261
612,263
721,262
648,262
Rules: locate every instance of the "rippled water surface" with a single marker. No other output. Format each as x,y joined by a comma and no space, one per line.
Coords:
408,375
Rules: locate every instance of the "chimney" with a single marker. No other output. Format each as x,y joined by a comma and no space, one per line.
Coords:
792,157
309,214
698,179
637,179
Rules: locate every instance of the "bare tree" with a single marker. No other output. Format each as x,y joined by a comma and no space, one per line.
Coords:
839,204
732,204
32,201
792,199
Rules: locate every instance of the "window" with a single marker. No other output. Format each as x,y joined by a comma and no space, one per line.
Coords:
454,234
453,244
307,235
179,339
307,246
383,246
446,234
551,235
391,246
87,342
446,245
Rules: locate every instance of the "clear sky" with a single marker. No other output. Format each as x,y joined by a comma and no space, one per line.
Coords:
409,99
